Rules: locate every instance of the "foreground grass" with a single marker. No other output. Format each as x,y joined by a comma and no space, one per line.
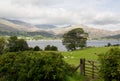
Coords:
76,77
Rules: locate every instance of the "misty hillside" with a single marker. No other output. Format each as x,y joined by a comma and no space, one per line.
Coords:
4,27
16,25
113,37
8,25
17,22
45,26
93,32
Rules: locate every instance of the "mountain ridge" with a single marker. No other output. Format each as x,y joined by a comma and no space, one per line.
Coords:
93,32
18,25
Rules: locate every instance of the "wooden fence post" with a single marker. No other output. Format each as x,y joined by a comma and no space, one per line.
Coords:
93,69
82,66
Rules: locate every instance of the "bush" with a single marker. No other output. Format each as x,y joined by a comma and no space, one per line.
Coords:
51,48
109,44
54,48
47,47
110,65
36,48
33,66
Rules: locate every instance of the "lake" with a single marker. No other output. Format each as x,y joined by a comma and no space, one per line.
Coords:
58,43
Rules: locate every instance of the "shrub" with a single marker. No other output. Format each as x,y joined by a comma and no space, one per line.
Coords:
109,44
51,48
47,47
36,48
110,65
54,48
33,66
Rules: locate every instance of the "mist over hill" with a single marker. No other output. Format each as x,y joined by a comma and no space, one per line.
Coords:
113,37
45,26
8,26
17,25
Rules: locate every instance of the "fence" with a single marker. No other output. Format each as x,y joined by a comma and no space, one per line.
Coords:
89,68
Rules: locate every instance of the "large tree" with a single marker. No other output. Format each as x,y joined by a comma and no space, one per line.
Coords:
75,39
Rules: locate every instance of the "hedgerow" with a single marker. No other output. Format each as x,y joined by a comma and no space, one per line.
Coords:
110,65
33,66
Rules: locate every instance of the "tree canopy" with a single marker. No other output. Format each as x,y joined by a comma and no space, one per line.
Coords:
51,48
75,39
16,44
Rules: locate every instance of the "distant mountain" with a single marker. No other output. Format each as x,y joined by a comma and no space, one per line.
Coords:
113,37
16,25
17,21
22,23
19,28
4,27
45,26
8,25
93,32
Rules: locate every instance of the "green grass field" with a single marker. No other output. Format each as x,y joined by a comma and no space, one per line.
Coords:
73,57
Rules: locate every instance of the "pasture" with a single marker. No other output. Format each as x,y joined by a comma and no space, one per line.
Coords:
73,57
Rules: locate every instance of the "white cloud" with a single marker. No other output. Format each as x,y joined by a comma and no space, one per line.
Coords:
87,12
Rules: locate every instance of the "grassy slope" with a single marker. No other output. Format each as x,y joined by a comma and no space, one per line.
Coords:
73,57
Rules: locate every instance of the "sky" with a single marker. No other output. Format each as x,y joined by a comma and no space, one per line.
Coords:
103,14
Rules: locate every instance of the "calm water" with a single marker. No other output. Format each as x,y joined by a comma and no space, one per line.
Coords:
58,43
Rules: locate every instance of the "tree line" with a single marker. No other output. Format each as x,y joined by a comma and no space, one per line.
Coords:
13,44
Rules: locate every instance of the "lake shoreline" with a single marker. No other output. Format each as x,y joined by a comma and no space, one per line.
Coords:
58,43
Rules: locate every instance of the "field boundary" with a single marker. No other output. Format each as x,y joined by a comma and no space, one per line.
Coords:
89,68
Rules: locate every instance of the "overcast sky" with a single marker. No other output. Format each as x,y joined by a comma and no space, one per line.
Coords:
95,13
